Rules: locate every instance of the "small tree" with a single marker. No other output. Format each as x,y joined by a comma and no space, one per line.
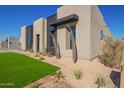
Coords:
112,53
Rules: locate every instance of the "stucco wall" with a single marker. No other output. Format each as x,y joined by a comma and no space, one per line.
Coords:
82,30
88,29
40,27
97,24
23,38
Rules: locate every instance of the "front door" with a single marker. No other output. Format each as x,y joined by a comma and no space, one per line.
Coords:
38,42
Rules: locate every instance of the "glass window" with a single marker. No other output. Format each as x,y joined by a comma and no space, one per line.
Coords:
28,39
73,28
101,35
69,37
70,41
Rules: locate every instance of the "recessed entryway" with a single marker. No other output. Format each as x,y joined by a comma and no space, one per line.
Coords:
38,42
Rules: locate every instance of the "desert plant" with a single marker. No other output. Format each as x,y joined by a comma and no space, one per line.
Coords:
30,50
35,85
112,53
44,52
101,81
78,74
36,55
41,58
49,54
58,76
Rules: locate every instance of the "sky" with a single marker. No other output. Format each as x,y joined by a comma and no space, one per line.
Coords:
12,18
114,18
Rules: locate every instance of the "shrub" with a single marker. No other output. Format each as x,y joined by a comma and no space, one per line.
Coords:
36,55
44,52
78,74
49,54
35,85
41,58
112,52
30,50
58,76
101,81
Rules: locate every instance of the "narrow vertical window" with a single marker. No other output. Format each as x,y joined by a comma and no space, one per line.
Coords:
69,42
27,40
101,35
73,28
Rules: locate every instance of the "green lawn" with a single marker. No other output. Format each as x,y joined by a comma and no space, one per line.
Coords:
17,70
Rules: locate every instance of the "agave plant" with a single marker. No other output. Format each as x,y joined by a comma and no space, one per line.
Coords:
101,81
78,74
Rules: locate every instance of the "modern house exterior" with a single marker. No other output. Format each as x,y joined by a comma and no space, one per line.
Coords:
75,31
87,25
27,37
40,35
11,43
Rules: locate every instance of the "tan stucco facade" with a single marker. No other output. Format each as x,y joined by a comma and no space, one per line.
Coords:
40,28
88,29
23,38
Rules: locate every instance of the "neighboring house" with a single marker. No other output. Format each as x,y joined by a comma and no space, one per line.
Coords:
27,37
75,31
11,43
4,43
